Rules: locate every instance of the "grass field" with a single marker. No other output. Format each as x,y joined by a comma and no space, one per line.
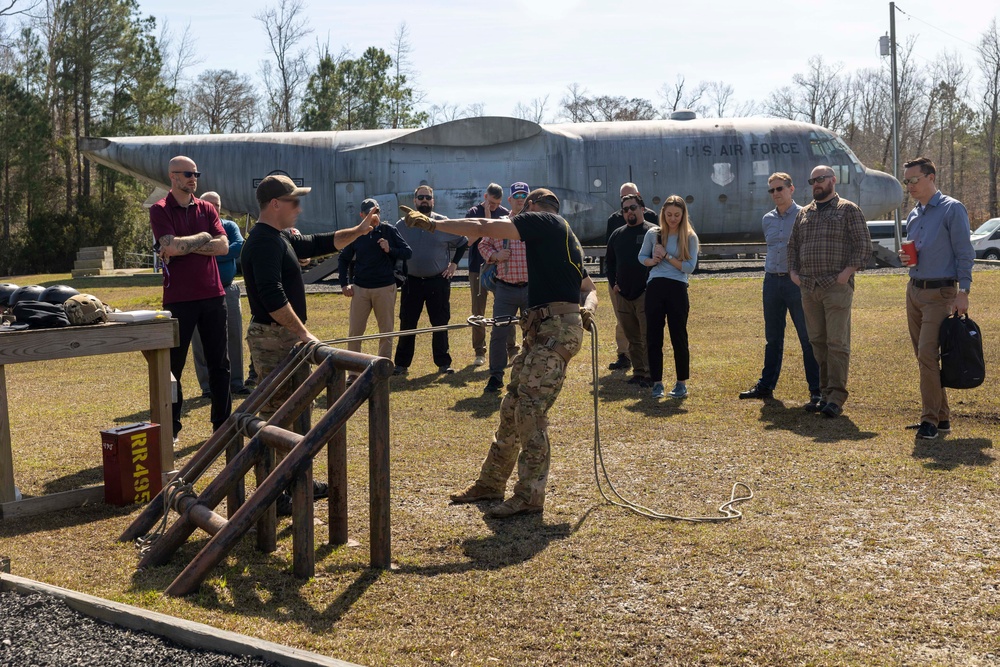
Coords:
861,546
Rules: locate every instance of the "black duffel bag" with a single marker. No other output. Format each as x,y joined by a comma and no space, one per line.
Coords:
40,315
962,363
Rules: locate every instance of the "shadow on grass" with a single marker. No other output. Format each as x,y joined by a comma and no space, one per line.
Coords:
945,454
262,584
53,521
95,475
809,424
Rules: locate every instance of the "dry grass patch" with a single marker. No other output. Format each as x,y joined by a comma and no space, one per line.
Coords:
861,547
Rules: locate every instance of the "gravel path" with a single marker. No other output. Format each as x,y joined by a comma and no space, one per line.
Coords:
42,631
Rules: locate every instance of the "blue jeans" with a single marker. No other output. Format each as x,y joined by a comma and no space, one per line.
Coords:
507,301
782,296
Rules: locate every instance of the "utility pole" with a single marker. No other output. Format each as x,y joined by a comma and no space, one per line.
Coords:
895,112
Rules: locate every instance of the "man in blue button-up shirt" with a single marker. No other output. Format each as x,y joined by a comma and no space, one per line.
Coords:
939,283
781,296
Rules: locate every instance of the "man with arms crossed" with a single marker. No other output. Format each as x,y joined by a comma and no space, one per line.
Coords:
939,283
781,295
189,236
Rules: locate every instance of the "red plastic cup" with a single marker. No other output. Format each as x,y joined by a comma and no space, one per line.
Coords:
910,250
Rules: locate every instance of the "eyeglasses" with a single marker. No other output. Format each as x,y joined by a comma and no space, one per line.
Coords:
819,179
519,195
294,201
912,180
771,191
631,207
188,174
424,197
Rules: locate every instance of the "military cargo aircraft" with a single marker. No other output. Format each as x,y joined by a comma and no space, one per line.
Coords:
720,166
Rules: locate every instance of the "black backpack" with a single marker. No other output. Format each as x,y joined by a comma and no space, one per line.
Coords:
962,363
40,315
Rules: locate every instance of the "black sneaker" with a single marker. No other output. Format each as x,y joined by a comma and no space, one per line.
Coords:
401,371
446,370
623,364
757,391
944,426
832,410
927,431
493,386
815,404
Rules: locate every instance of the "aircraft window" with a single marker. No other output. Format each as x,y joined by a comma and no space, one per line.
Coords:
597,183
843,173
689,199
723,199
656,201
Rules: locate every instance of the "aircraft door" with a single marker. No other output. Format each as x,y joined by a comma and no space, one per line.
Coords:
348,204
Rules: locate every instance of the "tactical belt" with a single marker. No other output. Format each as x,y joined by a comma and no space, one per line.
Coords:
539,314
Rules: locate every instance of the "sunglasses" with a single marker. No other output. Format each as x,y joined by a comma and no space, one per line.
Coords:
819,179
771,191
424,197
912,180
294,201
631,207
188,174
520,195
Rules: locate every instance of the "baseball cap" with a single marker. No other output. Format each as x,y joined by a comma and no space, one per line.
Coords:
275,186
542,195
368,204
520,186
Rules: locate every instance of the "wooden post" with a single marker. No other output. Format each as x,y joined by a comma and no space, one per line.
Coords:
6,452
378,475
161,407
336,463
303,531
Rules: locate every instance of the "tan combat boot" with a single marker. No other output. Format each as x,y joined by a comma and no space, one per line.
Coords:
515,505
474,493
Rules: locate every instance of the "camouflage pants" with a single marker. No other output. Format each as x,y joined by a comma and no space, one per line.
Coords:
269,345
537,377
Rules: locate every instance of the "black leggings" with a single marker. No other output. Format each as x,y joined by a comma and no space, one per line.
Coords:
667,301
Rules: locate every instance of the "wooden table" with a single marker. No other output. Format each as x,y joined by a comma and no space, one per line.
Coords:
154,339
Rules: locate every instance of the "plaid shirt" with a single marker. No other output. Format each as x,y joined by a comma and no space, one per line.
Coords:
515,269
825,241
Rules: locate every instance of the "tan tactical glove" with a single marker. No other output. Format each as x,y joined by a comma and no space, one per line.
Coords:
589,319
417,219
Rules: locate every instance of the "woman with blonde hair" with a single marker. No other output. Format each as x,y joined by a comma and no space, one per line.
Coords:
671,252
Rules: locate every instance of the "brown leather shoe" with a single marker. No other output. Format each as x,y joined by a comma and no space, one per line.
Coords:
515,505
474,493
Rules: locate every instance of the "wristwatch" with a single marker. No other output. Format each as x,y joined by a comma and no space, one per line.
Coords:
963,290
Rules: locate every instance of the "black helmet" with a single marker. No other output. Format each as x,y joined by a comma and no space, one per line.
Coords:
26,293
57,294
6,290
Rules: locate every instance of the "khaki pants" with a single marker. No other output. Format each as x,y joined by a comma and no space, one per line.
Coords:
632,319
381,301
828,319
478,294
926,309
621,340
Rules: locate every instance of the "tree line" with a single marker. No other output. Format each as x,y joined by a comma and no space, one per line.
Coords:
76,68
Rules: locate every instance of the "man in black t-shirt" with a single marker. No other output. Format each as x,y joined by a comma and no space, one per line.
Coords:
553,335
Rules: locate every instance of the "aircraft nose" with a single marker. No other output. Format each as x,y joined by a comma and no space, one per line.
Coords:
880,194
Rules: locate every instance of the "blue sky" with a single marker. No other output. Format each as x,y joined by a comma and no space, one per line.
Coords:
498,54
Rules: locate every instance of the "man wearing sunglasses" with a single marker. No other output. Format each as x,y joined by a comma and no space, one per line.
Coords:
490,207
627,278
829,243
429,272
275,291
780,295
616,220
189,236
939,283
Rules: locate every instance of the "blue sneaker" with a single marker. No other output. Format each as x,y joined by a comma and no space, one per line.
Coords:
680,390
657,390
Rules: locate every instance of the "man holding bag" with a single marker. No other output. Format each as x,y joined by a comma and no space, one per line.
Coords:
939,283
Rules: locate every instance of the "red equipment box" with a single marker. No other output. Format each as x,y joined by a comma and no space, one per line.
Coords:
131,463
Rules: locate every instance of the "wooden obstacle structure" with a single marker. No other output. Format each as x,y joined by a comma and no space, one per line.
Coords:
294,470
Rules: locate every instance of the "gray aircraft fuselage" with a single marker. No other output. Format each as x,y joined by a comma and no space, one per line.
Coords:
720,166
